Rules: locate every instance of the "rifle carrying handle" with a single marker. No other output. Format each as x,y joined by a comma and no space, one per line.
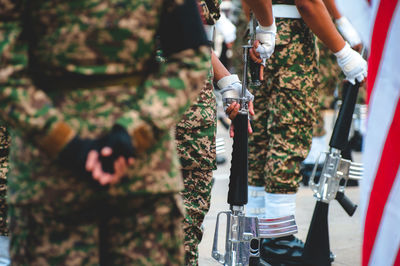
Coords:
237,194
346,203
340,134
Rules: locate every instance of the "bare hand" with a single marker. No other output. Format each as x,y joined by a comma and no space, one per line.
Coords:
233,110
94,166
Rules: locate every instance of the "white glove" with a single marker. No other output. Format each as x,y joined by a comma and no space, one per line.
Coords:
226,28
352,64
348,31
230,88
266,36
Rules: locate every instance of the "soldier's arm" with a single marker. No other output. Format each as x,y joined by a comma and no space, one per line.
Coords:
21,104
316,16
262,10
170,92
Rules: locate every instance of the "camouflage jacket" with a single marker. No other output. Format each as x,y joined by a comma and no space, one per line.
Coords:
47,103
4,149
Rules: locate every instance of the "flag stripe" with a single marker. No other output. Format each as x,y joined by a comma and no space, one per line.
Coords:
397,261
385,176
379,35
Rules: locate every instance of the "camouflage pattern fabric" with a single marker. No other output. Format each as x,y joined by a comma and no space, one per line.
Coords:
4,150
210,10
195,133
195,139
92,65
148,111
196,199
285,107
143,230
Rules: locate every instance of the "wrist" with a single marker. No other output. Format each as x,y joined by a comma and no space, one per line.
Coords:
227,80
345,51
270,28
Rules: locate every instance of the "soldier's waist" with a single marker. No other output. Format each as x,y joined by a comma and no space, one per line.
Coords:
76,81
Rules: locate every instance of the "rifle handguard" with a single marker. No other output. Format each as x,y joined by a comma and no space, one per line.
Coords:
237,194
340,134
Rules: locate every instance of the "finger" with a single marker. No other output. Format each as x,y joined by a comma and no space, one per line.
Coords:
249,128
254,57
230,108
261,72
120,166
231,131
234,112
92,159
131,161
106,151
251,108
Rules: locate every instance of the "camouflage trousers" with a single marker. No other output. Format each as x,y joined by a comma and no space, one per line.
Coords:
195,139
285,107
196,198
144,230
4,150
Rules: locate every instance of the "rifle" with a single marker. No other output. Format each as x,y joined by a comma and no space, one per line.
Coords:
243,233
331,185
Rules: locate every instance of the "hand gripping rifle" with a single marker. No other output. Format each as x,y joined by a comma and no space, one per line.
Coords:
242,232
335,173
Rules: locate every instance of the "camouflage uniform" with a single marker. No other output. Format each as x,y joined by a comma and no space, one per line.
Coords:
195,137
91,65
4,150
285,107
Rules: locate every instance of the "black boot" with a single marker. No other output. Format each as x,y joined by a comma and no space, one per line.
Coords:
283,251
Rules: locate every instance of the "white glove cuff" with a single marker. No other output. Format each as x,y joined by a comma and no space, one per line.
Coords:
271,28
227,80
344,52
342,22
279,205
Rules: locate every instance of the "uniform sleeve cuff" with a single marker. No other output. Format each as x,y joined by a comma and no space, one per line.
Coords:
59,135
141,132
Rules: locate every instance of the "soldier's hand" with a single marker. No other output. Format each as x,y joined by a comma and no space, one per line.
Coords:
352,64
233,110
230,89
93,165
75,155
266,38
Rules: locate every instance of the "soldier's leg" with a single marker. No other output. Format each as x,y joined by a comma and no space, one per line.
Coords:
196,198
146,230
38,239
258,145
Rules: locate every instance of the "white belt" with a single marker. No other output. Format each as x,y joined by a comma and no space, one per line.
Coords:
209,29
285,11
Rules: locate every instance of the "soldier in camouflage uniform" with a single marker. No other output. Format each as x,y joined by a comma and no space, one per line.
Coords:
285,107
4,150
91,67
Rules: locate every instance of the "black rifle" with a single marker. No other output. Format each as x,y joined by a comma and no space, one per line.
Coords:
242,232
335,173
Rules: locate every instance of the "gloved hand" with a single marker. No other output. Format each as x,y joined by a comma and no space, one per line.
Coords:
348,32
74,154
230,89
266,37
352,64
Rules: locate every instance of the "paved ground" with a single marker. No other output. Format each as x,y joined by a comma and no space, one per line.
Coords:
345,233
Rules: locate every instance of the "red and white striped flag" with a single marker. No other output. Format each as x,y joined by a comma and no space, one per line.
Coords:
379,23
